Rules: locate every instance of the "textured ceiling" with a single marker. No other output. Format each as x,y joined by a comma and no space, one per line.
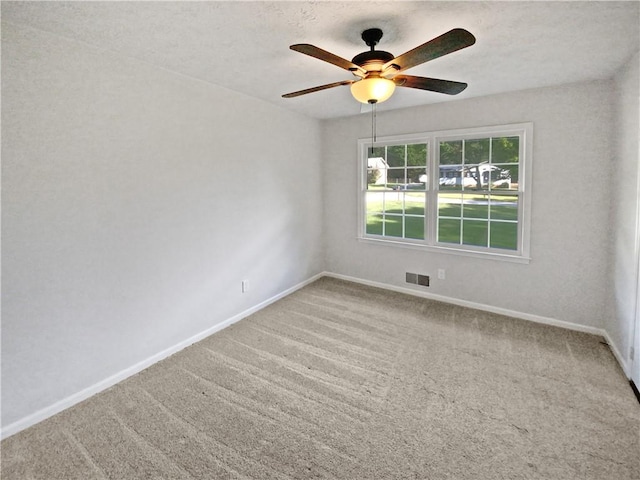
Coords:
243,46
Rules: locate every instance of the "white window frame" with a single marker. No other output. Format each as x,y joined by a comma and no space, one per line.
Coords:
433,139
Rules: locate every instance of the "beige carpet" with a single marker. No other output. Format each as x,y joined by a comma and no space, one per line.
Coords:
344,381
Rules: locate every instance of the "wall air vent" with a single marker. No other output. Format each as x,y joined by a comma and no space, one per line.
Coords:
417,279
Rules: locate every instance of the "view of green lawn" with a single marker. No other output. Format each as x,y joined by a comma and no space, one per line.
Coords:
468,220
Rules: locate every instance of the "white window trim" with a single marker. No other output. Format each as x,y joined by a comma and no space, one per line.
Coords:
521,255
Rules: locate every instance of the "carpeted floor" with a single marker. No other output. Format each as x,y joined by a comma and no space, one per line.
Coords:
344,381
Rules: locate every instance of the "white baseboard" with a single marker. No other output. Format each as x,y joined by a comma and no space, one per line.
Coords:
478,306
626,367
78,397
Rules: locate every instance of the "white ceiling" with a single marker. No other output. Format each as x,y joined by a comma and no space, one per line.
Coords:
243,46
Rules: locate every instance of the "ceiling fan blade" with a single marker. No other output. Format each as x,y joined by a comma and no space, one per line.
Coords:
329,57
449,42
433,84
317,89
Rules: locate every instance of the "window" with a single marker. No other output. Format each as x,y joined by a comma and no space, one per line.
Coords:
460,191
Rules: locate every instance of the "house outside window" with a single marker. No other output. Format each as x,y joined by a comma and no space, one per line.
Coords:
461,191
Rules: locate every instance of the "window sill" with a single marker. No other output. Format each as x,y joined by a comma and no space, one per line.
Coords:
446,250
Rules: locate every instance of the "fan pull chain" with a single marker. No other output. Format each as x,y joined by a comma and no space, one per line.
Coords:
373,120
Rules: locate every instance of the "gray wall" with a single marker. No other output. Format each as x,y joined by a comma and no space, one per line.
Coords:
567,277
134,203
625,195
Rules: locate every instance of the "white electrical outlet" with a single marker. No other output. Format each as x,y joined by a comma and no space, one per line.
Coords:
441,274
245,286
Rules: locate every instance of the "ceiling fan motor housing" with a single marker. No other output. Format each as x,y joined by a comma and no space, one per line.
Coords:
371,58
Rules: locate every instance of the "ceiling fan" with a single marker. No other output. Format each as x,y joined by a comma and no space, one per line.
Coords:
378,72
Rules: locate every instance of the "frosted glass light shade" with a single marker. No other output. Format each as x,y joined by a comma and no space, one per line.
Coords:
372,90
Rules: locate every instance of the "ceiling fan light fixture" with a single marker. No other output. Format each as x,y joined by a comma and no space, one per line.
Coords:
375,68
372,89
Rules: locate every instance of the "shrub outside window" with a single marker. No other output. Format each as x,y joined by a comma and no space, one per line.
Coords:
460,191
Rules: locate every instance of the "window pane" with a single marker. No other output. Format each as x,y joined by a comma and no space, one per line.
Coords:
475,177
417,177
505,176
505,150
417,154
395,155
449,205
476,151
475,206
373,202
393,225
374,224
414,203
504,235
449,230
393,202
376,178
396,176
504,207
414,227
450,177
475,232
376,152
451,153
